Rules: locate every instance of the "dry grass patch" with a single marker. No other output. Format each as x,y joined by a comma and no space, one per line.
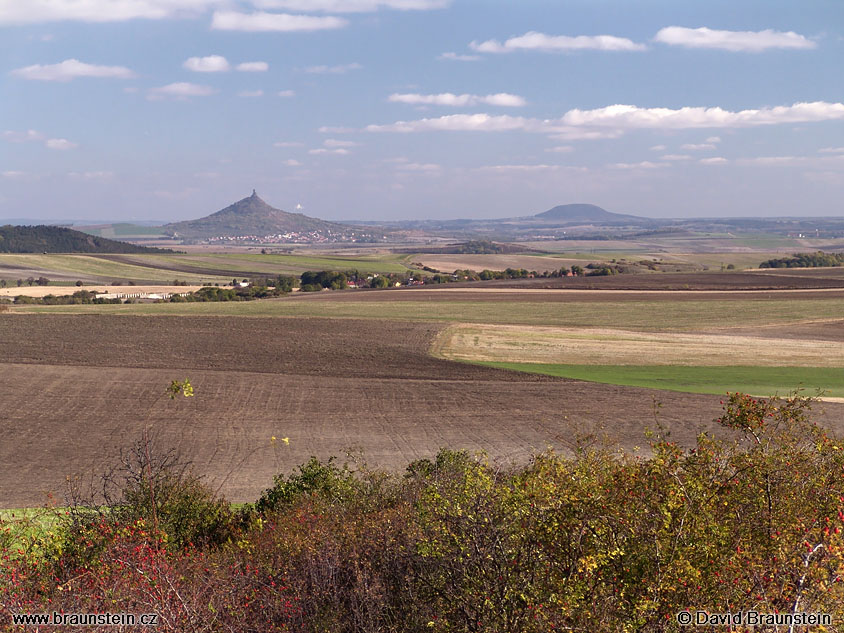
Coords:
599,346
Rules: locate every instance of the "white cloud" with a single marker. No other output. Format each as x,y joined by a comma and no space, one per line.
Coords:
279,22
694,147
333,70
288,144
502,99
423,167
713,139
613,121
209,64
457,123
253,67
339,151
659,148
60,144
291,162
181,90
334,129
34,136
773,160
351,6
715,160
250,93
458,57
633,117
91,175
22,137
560,149
529,168
13,175
71,69
533,40
569,133
333,142
832,150
675,157
35,11
286,93
645,164
736,41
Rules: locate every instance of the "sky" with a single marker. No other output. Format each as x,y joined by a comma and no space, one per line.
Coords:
164,110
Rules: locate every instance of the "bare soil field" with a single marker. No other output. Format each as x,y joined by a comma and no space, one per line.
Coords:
822,330
733,281
77,389
492,292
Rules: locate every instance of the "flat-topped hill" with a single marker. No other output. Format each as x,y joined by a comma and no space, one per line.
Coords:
585,213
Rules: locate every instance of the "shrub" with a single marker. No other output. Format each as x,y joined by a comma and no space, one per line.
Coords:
322,479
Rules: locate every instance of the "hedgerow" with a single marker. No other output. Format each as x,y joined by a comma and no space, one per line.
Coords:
597,540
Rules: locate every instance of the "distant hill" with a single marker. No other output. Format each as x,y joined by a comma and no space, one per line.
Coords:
585,213
56,239
254,217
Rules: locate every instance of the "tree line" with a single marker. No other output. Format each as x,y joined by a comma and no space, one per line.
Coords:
806,260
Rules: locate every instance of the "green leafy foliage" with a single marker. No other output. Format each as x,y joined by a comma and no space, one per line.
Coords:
326,480
806,260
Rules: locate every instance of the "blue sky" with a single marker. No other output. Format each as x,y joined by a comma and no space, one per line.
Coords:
394,109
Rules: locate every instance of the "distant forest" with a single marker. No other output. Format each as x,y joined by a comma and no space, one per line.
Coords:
55,239
805,260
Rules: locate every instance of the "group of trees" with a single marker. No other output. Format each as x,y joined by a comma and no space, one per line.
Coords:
333,280
258,289
30,281
77,298
806,260
598,541
311,281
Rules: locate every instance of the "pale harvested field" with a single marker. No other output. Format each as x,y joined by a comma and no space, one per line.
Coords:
43,291
603,346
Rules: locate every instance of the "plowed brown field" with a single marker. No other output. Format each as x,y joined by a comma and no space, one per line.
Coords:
74,390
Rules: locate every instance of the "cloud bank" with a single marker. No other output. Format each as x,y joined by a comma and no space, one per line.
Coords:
533,40
209,64
71,69
36,11
448,99
351,6
273,22
735,41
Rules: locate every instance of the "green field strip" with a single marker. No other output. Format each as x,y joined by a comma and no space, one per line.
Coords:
368,263
758,381
86,266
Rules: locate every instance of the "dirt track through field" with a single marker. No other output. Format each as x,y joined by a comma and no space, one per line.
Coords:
76,389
